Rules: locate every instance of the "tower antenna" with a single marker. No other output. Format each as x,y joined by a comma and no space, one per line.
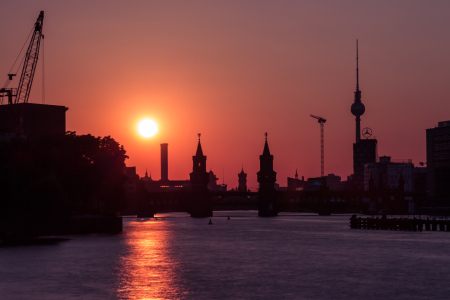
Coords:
357,67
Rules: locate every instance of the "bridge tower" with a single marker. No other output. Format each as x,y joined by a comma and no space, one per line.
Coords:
199,178
242,181
267,198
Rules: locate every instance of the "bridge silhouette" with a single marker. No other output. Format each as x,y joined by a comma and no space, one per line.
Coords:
323,203
199,201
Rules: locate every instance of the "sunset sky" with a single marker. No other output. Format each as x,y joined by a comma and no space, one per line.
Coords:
233,70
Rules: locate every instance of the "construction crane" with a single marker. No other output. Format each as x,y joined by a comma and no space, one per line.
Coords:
321,122
22,92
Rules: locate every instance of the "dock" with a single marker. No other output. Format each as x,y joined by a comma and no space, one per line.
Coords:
404,224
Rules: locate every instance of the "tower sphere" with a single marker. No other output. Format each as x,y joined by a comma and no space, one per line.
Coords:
358,109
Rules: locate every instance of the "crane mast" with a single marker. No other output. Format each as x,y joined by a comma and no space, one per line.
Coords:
22,93
322,162
29,65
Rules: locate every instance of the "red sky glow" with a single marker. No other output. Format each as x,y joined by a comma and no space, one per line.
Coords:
233,70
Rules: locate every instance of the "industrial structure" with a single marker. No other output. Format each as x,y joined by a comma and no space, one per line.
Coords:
164,162
321,122
164,185
18,118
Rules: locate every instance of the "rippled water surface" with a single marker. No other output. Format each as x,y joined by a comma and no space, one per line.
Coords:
174,256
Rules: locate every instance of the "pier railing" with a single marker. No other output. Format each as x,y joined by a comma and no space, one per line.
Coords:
399,224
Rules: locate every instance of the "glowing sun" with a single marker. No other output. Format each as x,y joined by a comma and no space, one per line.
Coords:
147,128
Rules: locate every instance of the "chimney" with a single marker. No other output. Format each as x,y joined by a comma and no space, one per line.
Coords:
164,162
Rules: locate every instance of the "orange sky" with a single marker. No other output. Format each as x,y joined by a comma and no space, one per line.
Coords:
233,70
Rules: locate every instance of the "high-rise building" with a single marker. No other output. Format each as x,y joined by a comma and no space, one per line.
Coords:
364,152
438,162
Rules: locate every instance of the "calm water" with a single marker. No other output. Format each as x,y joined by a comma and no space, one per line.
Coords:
287,257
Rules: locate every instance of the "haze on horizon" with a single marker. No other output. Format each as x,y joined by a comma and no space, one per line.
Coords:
234,70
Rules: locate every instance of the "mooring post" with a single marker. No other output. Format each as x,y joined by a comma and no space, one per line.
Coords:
427,224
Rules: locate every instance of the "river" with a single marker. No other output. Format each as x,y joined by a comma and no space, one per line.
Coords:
173,256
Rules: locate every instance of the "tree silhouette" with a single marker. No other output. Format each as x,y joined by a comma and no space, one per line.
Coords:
43,182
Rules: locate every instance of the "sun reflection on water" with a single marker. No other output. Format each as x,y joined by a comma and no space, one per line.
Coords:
148,268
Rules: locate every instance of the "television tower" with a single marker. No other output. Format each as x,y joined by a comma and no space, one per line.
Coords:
358,108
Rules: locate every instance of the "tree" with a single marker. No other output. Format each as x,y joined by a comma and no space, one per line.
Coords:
49,179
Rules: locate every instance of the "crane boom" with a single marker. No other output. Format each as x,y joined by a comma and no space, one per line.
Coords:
321,120
322,161
29,65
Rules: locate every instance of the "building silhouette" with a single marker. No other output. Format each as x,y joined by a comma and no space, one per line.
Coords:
146,177
364,152
420,179
132,179
295,184
31,120
386,174
438,162
212,184
242,181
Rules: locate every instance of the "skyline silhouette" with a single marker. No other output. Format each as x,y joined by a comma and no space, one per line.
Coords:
236,70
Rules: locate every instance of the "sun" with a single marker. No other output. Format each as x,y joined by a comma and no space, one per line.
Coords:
147,128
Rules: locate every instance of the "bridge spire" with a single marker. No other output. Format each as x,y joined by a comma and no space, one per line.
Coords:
199,178
199,147
266,179
266,151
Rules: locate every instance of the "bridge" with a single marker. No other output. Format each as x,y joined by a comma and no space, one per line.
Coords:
320,202
187,201
199,201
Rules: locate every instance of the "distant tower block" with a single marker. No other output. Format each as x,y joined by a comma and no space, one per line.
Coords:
164,162
358,108
242,181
